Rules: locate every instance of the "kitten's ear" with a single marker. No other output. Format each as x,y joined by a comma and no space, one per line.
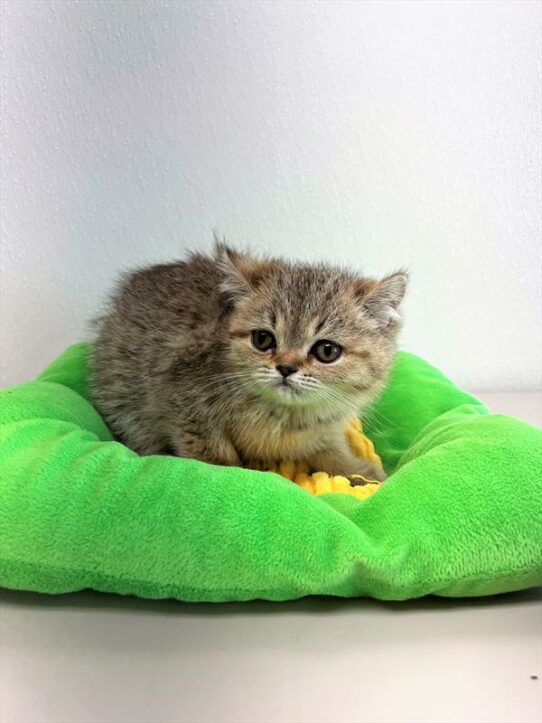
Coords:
242,273
381,299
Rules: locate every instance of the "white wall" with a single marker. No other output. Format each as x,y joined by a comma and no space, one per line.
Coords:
377,134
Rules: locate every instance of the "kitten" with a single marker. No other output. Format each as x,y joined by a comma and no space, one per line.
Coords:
235,360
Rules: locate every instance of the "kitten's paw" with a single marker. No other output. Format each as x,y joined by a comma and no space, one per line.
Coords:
358,480
214,450
359,471
339,462
376,473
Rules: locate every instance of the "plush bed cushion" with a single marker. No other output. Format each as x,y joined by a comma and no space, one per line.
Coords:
460,515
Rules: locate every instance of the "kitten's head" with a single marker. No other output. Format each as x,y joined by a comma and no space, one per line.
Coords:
306,335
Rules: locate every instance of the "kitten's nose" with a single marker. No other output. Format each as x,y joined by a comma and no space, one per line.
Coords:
286,369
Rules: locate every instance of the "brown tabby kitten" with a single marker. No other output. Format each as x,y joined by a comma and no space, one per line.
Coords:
239,361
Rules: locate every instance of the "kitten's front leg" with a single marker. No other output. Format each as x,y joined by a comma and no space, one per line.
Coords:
338,459
215,449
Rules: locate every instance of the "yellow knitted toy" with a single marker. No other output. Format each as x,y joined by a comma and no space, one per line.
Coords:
320,483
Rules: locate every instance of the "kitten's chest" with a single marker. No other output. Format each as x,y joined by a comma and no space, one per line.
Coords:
258,436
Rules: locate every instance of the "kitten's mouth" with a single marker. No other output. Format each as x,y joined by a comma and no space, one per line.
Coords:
283,391
286,387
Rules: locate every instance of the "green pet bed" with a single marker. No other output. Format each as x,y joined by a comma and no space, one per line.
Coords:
460,515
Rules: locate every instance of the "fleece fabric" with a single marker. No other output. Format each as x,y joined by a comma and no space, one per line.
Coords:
460,515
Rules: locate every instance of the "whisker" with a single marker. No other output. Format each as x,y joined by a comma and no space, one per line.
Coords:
226,380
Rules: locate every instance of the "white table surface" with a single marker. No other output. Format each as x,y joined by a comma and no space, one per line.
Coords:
104,659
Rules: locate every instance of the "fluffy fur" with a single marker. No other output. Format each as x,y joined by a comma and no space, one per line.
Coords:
175,369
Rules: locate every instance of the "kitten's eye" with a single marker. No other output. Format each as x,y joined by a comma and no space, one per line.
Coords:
263,340
326,351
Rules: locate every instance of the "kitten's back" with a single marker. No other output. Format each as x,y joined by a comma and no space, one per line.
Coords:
157,316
